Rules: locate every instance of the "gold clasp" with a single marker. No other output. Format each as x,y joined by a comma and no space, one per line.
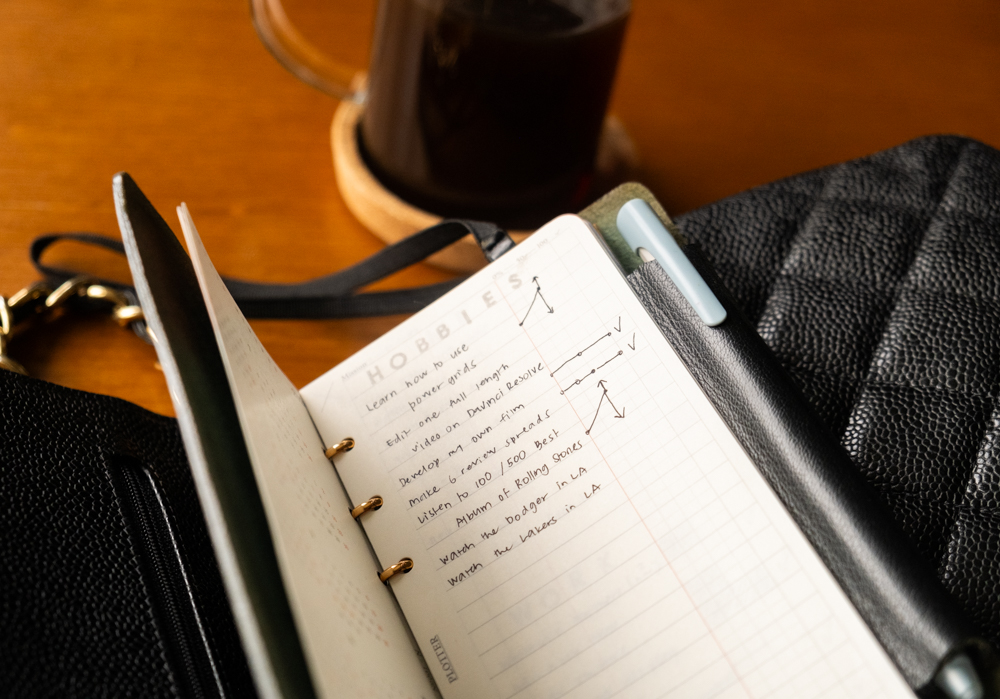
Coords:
6,328
76,286
122,311
6,319
30,293
41,298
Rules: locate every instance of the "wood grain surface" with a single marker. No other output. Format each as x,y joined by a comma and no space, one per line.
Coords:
718,96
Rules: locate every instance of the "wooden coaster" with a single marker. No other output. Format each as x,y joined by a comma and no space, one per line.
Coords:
392,219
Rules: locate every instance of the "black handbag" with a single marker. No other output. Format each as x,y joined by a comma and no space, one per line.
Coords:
875,282
109,585
108,579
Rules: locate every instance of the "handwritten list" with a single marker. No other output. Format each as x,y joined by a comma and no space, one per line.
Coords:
581,521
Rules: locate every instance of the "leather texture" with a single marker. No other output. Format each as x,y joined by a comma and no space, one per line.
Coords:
876,283
90,485
914,618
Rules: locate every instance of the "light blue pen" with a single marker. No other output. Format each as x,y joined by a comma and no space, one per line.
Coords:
643,230
645,233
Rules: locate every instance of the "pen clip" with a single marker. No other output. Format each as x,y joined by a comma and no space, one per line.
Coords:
643,230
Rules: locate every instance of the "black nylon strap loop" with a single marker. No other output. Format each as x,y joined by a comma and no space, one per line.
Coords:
58,275
333,295
374,303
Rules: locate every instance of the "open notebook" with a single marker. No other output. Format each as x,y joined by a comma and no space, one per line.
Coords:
581,521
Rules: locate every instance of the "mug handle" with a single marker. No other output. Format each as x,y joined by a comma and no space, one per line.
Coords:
304,60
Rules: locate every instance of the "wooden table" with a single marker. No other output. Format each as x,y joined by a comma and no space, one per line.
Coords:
718,97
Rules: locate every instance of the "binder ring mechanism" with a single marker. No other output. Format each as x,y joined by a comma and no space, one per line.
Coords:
372,503
346,444
405,565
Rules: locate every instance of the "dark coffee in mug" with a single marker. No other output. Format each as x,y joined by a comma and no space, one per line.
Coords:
490,109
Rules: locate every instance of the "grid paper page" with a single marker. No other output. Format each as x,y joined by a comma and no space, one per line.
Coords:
582,522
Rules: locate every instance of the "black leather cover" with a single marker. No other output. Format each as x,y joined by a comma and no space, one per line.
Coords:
108,583
177,316
876,283
888,581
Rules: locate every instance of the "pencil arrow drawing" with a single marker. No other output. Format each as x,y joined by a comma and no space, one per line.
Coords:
605,389
538,295
619,328
631,345
604,396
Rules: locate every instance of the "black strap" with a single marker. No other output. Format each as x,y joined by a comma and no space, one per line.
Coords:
333,295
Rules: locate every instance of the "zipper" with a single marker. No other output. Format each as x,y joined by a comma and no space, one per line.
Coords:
187,647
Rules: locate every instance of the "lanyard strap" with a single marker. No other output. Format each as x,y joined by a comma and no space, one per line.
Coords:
330,296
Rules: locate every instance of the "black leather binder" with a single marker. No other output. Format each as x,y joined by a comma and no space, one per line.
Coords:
890,585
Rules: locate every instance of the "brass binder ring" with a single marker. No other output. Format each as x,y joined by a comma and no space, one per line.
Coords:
343,445
372,503
405,565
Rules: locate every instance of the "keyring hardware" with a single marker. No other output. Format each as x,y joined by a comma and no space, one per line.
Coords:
41,300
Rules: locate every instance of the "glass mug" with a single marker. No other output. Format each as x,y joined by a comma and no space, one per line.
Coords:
488,109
